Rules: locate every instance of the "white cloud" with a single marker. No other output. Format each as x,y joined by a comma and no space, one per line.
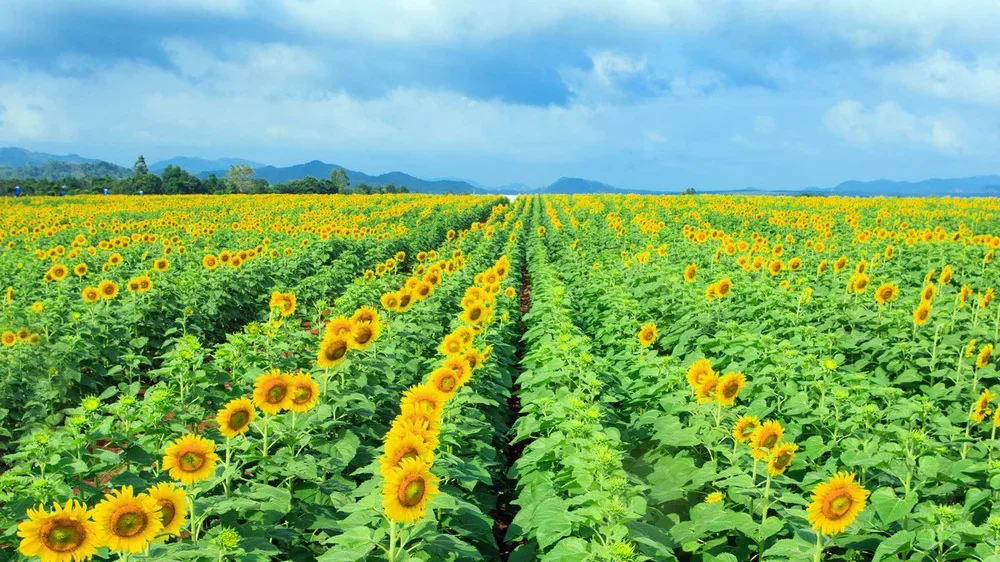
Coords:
943,76
888,123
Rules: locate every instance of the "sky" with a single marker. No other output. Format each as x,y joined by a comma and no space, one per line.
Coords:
642,94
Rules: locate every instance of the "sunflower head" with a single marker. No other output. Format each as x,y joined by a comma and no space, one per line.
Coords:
270,392
744,427
365,314
886,293
363,334
128,523
690,273
765,438
108,289
190,459
985,354
781,458
408,488
424,398
332,351
303,393
729,387
648,334
234,419
836,503
705,392
402,445
922,313
339,327
173,506
64,534
982,407
698,371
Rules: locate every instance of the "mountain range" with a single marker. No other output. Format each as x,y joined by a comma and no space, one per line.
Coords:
21,163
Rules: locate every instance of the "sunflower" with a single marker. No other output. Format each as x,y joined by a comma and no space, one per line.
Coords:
781,458
128,523
363,334
928,292
729,387
161,265
302,394
415,422
408,488
390,301
985,353
690,273
210,262
425,398
462,365
58,272
173,507
23,334
145,283
190,459
66,534
987,298
710,292
90,294
859,282
452,344
509,292
821,267
647,334
9,338
365,314
698,371
840,264
405,445
332,351
836,504
422,290
234,419
971,348
132,286
723,287
764,438
80,269
474,313
886,293
405,300
982,407
445,381
922,313
339,327
108,289
946,275
775,267
744,427
270,391
706,390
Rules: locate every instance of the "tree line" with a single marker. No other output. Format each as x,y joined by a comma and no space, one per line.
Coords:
174,180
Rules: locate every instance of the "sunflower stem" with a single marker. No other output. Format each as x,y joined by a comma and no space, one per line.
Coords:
263,445
819,547
767,494
225,481
194,527
392,541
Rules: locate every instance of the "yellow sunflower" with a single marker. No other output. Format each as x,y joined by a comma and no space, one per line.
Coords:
647,334
705,392
270,391
67,534
445,381
303,393
234,419
173,507
982,407
339,327
108,289
415,422
836,504
985,353
390,301
474,358
474,314
509,292
922,313
729,387
744,427
8,338
946,275
690,273
886,292
405,445
190,459
405,300
764,438
928,292
128,523
698,371
210,262
723,287
161,265
452,344
80,269
781,458
332,351
365,314
408,488
424,397
363,334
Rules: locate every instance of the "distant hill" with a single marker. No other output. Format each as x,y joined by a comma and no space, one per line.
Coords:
18,163
579,185
199,165
318,169
975,186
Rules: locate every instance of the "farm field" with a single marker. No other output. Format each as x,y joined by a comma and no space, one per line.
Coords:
468,378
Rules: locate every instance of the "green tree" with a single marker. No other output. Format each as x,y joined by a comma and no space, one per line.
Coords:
140,166
241,179
338,177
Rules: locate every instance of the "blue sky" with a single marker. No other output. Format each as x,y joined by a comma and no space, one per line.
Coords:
637,93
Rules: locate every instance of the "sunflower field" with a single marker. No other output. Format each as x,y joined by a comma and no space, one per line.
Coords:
463,378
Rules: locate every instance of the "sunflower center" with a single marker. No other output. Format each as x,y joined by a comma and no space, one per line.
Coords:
302,394
364,334
191,461
769,441
239,419
730,389
407,453
782,460
405,300
128,523
429,403
447,383
64,535
838,505
276,394
336,352
167,511
475,313
411,491
747,431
